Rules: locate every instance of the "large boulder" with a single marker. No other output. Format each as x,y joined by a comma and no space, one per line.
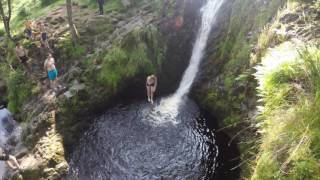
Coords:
31,168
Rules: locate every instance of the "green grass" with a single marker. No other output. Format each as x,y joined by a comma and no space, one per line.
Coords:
121,64
290,121
69,51
19,90
137,54
28,9
32,9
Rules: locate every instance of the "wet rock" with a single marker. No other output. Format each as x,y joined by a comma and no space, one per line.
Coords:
49,172
288,18
300,21
61,20
290,27
77,87
62,168
121,23
16,176
73,73
23,151
68,94
74,89
31,168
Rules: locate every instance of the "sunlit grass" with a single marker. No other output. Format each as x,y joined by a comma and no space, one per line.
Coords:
32,9
28,9
290,120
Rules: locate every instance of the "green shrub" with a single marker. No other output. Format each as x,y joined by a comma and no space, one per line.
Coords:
23,13
2,32
19,89
70,51
139,52
47,2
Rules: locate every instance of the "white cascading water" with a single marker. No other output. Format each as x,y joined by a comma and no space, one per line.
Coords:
170,105
3,137
8,129
209,14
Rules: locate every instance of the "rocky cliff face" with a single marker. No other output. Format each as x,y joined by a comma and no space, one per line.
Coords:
227,86
118,50
144,39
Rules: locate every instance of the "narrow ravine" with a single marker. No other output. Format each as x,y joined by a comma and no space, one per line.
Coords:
170,140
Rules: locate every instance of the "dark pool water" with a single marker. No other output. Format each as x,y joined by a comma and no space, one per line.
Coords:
136,142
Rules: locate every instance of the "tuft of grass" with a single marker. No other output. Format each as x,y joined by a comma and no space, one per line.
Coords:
290,121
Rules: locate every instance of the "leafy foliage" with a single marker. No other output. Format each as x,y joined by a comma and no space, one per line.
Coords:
47,2
19,89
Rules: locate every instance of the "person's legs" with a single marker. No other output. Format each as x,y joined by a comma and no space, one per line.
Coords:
152,93
14,161
151,97
51,79
101,8
55,79
55,83
149,93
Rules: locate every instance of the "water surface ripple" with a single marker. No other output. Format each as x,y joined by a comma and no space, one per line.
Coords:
133,142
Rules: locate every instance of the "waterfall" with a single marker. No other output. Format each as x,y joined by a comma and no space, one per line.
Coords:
209,15
170,105
9,129
4,113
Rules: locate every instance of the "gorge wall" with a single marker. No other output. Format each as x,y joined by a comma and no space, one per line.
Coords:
118,51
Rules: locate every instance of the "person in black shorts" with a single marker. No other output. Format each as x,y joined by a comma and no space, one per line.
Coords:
44,36
10,160
28,29
151,85
101,3
22,55
3,104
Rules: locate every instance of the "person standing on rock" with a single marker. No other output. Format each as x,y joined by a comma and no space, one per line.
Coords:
44,36
22,55
51,70
10,160
151,85
101,3
28,29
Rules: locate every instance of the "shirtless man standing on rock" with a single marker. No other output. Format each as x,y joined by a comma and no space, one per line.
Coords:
50,67
22,55
151,85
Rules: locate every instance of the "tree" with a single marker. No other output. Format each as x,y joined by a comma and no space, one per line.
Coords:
6,17
72,28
